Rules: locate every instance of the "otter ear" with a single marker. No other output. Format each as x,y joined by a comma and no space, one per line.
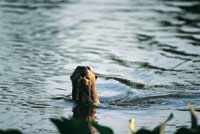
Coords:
96,76
89,68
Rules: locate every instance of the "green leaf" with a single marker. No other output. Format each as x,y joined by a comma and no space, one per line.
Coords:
160,129
71,126
102,129
193,116
11,131
144,131
183,130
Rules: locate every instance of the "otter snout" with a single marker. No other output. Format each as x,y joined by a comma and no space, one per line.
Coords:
83,85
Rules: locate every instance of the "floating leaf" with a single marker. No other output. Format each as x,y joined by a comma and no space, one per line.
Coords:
71,126
10,132
144,131
183,130
102,129
160,129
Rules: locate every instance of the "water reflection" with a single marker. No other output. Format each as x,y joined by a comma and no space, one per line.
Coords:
85,112
185,22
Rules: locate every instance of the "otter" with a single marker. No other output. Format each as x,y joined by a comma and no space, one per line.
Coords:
83,85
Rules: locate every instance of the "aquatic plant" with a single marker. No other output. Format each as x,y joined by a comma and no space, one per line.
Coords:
157,130
10,131
195,129
71,126
78,126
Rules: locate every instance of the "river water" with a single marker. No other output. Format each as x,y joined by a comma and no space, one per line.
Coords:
146,55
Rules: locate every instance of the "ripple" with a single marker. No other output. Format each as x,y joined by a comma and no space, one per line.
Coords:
124,81
176,52
160,101
146,54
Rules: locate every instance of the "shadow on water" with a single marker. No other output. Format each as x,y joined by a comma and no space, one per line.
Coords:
185,22
33,4
162,101
41,1
123,81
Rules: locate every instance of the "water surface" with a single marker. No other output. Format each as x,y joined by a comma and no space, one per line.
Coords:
146,55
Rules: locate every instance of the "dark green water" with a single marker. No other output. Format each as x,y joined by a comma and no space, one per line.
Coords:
146,54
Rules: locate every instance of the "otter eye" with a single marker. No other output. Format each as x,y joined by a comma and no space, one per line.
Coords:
83,75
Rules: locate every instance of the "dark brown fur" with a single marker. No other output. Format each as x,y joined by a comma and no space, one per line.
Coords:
83,85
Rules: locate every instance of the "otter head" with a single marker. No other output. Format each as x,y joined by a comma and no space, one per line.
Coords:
83,85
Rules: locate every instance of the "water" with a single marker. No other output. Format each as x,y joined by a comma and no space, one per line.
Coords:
146,55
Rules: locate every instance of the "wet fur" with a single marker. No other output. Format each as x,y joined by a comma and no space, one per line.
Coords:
84,91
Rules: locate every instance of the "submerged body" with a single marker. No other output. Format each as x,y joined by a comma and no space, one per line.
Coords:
83,85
